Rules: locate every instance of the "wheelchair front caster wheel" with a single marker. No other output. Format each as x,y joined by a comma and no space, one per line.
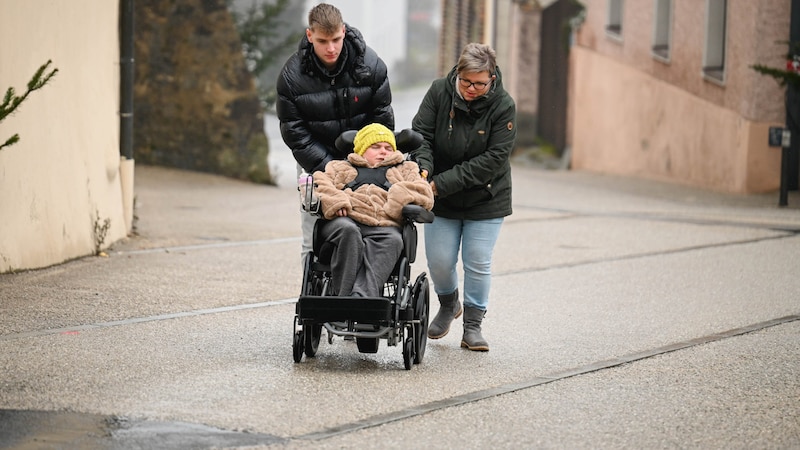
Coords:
297,346
408,353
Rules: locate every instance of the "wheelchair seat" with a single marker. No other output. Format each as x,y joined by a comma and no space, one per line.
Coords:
323,251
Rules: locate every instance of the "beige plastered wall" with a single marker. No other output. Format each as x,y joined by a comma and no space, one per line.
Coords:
635,115
639,126
63,177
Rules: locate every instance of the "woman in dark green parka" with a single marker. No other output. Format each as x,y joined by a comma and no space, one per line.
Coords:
468,122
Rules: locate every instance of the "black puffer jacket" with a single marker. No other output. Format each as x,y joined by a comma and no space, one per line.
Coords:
316,105
467,149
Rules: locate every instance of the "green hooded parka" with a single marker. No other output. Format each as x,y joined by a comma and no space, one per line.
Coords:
466,149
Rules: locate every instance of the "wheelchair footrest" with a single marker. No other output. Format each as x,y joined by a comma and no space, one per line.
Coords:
336,309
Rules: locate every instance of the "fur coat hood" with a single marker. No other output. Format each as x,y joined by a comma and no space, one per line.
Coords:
370,204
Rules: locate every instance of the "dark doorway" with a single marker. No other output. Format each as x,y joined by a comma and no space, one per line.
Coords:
553,72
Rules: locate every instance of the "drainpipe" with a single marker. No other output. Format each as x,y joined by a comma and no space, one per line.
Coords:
489,21
126,30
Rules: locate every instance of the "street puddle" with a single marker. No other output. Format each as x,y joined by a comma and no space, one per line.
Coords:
28,430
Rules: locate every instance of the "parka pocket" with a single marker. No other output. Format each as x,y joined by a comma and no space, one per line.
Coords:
480,195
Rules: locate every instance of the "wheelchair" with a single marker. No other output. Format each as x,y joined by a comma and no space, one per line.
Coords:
399,316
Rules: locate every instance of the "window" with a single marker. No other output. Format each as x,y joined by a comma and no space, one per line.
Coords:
714,51
662,29
614,25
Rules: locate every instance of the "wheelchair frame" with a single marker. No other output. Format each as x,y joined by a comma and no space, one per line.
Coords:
400,315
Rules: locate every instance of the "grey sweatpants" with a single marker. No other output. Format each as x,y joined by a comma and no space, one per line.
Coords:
363,257
307,222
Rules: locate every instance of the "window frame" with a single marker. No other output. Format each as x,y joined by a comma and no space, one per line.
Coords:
714,44
615,9
662,30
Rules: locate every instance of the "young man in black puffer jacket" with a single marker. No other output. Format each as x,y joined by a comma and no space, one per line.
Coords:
333,83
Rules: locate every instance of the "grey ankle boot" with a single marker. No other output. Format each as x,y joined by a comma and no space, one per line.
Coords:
449,309
473,339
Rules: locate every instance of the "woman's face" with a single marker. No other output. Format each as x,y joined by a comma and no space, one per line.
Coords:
472,85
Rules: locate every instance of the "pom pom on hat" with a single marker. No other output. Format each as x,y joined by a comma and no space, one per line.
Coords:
372,134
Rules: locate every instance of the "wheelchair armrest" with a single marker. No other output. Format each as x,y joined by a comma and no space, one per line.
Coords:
416,213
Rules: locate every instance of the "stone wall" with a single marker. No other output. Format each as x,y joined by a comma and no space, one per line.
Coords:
195,102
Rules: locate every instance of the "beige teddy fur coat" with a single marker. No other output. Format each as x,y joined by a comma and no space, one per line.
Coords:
370,204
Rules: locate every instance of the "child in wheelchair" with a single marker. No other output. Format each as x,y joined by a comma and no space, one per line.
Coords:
362,199
356,282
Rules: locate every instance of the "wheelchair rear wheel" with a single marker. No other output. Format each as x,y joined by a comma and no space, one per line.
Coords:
421,295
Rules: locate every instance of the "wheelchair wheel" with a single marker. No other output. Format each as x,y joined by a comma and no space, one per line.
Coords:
408,353
308,279
421,311
367,345
312,336
297,346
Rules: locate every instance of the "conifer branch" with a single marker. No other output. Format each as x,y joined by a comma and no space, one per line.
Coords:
11,101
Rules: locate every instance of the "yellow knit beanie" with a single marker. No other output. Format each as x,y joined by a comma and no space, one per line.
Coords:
372,134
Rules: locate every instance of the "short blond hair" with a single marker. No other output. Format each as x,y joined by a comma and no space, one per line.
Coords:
477,57
325,18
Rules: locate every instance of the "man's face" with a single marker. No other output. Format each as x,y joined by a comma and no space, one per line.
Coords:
327,47
376,153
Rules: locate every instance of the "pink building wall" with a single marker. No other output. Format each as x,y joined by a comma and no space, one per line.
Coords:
635,115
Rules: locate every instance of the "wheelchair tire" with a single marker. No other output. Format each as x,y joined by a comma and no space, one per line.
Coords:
312,335
307,286
408,353
422,306
297,346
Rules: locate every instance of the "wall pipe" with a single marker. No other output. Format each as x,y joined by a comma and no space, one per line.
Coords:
126,34
126,79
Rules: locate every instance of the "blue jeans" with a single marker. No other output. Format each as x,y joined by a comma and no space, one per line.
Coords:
476,238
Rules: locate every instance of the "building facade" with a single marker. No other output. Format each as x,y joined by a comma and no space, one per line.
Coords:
665,89
62,186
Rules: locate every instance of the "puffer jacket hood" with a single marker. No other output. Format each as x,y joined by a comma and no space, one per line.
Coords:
315,105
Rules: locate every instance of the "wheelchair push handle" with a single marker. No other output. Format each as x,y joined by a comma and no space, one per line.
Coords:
309,202
416,213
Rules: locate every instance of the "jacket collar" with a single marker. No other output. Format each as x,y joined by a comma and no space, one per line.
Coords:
393,159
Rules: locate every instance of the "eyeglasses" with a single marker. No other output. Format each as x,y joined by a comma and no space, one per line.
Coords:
479,85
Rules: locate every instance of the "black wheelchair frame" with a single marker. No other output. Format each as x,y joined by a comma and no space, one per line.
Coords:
399,315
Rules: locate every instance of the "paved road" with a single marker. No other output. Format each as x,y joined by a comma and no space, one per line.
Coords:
623,314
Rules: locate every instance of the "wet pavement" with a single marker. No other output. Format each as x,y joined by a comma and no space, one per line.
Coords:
623,314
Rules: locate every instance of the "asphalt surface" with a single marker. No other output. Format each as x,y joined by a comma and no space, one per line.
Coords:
623,314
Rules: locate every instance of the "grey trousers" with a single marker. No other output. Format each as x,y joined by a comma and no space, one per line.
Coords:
363,256
307,222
